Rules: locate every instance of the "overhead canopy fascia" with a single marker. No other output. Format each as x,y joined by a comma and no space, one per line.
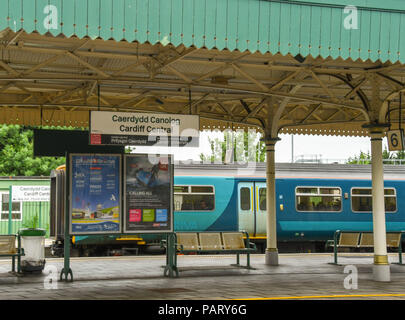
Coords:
298,27
388,5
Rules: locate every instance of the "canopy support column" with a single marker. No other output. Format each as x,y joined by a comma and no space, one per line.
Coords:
381,268
271,249
274,112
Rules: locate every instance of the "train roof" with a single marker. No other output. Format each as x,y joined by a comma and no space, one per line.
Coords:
289,170
283,170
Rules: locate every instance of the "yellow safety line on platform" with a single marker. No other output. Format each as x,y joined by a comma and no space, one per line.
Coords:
330,296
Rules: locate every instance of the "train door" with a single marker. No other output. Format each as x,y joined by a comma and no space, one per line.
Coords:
261,209
252,208
246,212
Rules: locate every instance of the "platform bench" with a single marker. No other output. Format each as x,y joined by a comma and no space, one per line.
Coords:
214,243
8,249
360,239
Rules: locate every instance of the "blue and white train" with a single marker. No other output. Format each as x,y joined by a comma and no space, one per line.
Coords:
312,202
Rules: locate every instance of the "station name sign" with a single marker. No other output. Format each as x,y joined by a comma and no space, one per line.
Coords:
144,129
31,193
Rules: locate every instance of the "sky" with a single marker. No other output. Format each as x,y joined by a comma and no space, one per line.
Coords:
308,146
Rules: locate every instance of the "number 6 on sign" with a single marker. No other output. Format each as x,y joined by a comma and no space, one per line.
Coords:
395,140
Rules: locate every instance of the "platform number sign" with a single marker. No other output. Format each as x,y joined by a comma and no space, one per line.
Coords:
395,140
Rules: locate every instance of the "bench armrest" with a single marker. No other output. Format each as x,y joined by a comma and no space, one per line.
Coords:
252,245
329,243
163,243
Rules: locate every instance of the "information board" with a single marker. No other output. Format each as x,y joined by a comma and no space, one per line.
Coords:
148,181
95,193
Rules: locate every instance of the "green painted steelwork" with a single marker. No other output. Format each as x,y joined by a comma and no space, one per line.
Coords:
311,27
28,210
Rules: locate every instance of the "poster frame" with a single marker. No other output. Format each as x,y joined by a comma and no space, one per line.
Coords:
171,212
70,200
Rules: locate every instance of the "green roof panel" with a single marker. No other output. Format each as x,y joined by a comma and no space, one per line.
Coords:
311,27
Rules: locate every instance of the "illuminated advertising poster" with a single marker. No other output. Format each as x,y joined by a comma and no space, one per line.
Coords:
95,194
148,193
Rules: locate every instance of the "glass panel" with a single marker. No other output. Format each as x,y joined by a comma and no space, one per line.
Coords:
14,216
200,189
4,203
312,203
178,203
262,199
15,206
362,204
361,191
181,189
335,191
307,190
187,202
245,198
387,192
390,204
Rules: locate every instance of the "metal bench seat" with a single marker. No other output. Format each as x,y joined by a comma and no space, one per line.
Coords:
214,243
364,239
9,249
187,241
210,241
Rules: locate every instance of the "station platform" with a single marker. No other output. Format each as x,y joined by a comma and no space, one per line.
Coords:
298,277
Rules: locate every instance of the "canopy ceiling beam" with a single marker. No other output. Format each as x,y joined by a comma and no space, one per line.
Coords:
63,74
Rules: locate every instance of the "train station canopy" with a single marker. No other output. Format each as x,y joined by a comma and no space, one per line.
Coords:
329,66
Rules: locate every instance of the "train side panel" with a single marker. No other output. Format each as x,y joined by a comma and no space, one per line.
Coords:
222,217
300,225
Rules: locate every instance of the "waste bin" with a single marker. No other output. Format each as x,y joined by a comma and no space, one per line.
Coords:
33,242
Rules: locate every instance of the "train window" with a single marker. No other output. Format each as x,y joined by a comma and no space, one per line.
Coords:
362,191
307,190
194,198
202,189
245,198
180,189
318,199
262,199
333,191
15,207
362,200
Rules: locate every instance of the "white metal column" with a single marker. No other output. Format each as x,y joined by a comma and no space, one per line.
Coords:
381,268
271,250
